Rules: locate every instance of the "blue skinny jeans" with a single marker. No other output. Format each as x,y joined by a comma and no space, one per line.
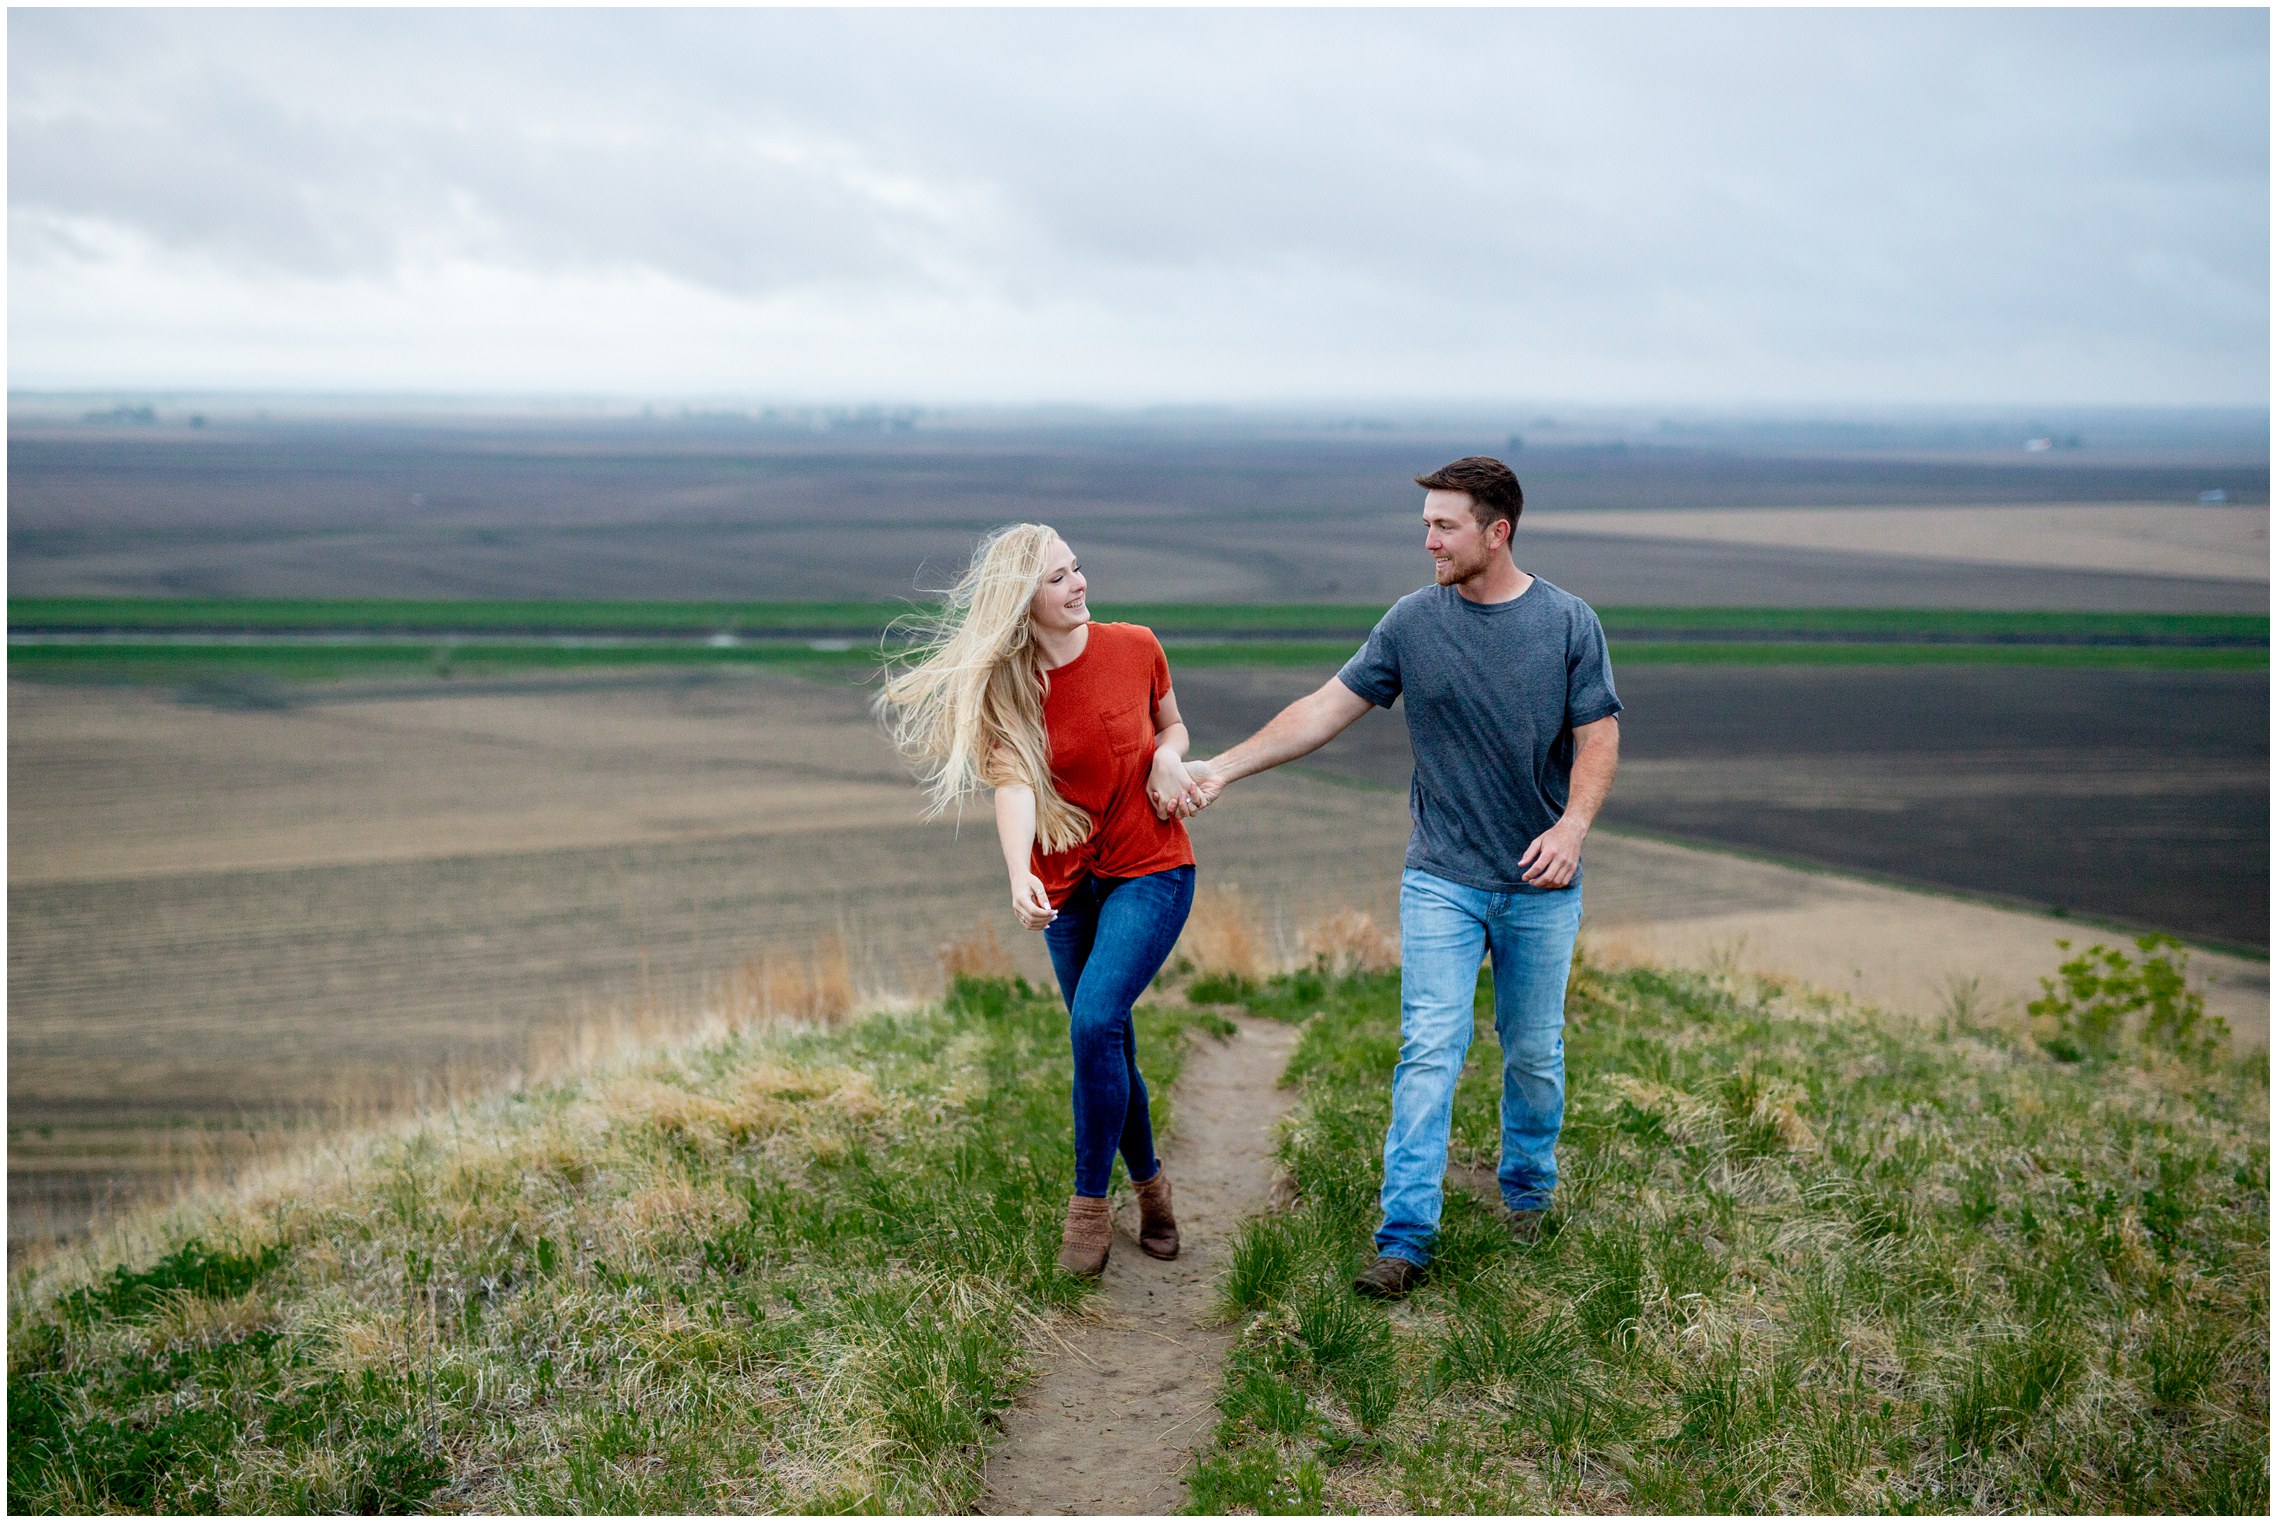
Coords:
1112,936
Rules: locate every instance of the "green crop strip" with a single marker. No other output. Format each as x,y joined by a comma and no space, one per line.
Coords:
1329,655
1255,620
174,663
442,614
190,662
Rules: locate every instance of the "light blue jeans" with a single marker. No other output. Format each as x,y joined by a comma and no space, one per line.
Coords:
1445,930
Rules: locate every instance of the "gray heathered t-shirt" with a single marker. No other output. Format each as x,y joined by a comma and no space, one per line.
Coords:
1494,691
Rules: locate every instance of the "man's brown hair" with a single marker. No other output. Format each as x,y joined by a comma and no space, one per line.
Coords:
1493,489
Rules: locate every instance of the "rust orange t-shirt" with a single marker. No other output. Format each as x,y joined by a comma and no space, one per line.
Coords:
1099,716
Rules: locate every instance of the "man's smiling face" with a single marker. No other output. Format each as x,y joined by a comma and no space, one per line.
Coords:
1460,549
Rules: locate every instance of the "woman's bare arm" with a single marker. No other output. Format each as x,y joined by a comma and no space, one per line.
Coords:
1016,833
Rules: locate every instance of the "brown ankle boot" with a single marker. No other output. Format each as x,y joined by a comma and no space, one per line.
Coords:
1090,1231
1158,1229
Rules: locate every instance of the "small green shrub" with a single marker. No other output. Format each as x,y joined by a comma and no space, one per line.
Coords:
2102,997
1495,1344
1613,1295
991,999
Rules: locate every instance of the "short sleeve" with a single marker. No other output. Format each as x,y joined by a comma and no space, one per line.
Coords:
1158,679
1373,672
1589,694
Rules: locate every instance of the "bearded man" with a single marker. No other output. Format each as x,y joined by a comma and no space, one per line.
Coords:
1510,709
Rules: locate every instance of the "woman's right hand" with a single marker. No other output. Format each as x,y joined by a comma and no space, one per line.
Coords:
1030,903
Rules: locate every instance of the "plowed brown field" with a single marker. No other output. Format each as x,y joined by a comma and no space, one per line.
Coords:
218,917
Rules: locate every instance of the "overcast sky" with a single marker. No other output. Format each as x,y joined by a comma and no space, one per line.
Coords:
1816,209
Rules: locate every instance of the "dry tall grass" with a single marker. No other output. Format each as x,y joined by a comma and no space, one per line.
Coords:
771,988
979,953
1349,941
773,985
1223,934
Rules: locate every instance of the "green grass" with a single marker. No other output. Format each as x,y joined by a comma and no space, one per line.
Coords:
1802,1260
466,614
1327,656
776,1270
183,663
1837,653
1946,622
1320,636
186,663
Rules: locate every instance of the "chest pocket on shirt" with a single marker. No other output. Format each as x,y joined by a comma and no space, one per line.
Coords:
1129,729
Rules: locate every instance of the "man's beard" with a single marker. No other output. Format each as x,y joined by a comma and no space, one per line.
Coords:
1454,573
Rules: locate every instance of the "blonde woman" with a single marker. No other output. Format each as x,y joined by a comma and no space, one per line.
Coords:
1074,726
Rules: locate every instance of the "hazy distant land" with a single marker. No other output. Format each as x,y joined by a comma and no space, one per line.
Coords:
677,508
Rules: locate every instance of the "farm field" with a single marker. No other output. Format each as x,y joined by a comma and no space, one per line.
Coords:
219,913
346,618
242,643
2133,795
365,754
221,909
627,510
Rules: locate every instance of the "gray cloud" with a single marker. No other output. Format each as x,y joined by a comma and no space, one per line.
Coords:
1682,205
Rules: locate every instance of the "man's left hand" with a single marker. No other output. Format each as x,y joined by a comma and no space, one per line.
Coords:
1553,858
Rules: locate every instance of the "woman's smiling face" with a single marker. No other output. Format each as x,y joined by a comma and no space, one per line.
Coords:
1059,605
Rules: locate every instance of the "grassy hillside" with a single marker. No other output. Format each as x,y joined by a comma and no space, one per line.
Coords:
1804,1260
786,1272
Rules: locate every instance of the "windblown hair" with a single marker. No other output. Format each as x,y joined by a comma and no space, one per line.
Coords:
967,703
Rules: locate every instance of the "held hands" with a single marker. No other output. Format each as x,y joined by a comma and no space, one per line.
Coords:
1030,903
1553,857
1173,786
1208,784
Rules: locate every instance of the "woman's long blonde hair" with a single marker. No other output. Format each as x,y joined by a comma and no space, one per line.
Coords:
967,703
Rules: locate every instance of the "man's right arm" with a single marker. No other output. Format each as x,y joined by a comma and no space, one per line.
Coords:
1298,730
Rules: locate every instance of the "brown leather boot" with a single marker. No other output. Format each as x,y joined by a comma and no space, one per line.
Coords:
1158,1229
1389,1278
1084,1242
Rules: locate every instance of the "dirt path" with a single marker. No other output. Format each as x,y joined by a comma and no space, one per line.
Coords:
1129,1396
